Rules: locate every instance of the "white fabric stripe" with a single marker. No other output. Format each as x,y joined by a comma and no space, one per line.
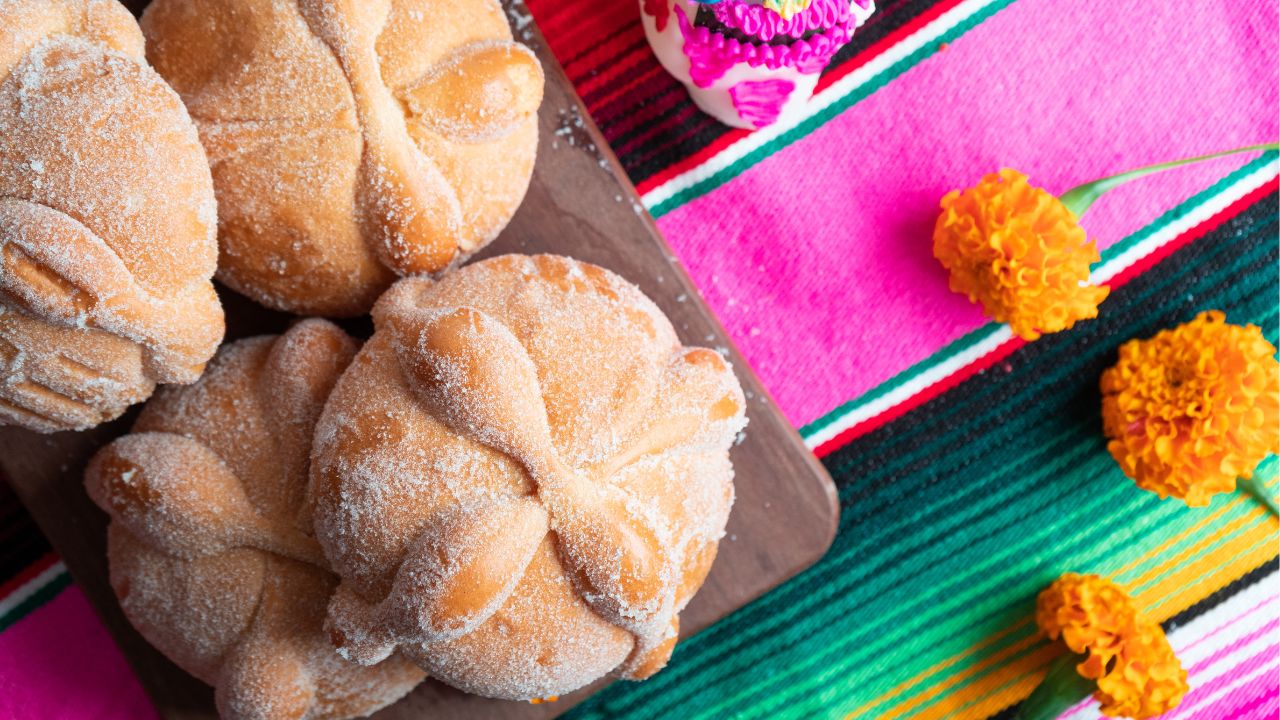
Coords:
817,104
1187,640
30,587
1108,270
1211,207
910,388
1191,649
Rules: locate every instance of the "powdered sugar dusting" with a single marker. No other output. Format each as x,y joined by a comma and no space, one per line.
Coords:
604,445
107,215
209,547
394,138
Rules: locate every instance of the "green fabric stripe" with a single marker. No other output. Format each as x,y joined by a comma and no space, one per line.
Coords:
1184,209
1005,513
953,646
1160,538
906,633
901,636
807,126
1129,576
1218,540
835,650
978,335
38,598
1107,566
1028,629
1103,569
1206,279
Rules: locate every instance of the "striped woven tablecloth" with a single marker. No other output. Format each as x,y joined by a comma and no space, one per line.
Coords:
971,465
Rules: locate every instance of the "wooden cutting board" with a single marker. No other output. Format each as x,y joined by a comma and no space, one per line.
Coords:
580,203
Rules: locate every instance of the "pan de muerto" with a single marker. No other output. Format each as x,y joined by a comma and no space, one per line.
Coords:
522,478
107,220
209,543
351,140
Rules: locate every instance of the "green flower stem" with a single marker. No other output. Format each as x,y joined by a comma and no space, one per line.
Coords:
1061,688
1256,487
1080,199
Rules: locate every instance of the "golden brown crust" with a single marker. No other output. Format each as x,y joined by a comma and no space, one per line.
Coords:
107,220
394,137
210,547
522,478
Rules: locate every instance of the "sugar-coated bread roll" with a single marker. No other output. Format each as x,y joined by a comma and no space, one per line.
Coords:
522,478
209,544
107,220
351,140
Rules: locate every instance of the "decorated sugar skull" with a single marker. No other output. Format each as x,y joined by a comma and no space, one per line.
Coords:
749,63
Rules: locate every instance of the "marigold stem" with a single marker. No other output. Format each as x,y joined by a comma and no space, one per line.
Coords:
1256,487
1061,688
1081,198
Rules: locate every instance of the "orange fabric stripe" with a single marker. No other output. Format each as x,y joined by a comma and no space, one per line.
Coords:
1173,594
907,706
1158,550
1024,675
933,669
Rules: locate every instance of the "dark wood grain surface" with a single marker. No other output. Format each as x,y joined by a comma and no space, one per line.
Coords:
580,204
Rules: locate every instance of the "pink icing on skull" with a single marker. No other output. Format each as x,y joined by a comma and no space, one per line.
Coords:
714,48
711,54
760,102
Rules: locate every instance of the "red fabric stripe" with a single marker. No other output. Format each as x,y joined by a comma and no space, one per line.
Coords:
620,71
648,118
576,27
12,584
635,147
1005,349
614,43
1195,233
550,15
685,113
610,96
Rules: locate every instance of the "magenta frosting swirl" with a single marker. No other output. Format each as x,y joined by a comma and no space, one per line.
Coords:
764,24
712,54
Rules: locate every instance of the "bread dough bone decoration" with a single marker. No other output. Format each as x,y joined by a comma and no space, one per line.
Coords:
522,479
107,220
209,544
750,63
351,141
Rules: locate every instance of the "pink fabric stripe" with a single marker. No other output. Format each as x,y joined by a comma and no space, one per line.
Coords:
1199,693
59,662
828,283
1243,701
1264,704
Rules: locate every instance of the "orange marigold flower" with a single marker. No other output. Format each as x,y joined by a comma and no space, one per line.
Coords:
1138,674
1018,251
1192,409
